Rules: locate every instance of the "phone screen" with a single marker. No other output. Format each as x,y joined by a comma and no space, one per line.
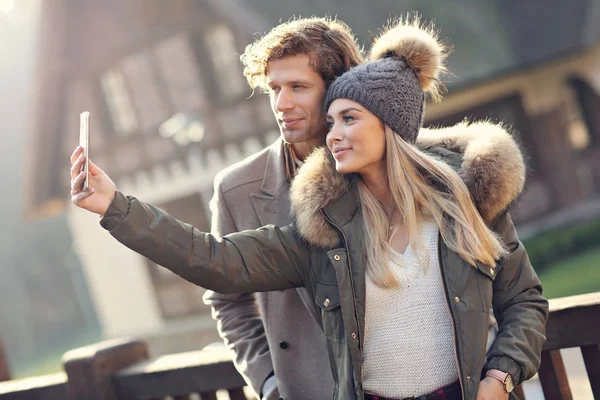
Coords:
84,141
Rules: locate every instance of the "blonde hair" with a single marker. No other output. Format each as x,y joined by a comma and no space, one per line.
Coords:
424,187
329,43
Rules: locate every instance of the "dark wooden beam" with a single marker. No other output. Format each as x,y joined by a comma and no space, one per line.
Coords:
553,377
574,321
202,371
47,387
91,369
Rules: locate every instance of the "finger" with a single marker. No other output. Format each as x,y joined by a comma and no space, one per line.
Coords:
76,167
77,183
94,169
76,154
78,198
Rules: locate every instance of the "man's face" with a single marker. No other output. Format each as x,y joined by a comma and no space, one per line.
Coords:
297,94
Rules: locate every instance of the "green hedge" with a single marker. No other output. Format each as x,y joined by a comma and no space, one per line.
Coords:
555,245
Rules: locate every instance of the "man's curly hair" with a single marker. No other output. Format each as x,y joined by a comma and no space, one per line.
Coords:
329,43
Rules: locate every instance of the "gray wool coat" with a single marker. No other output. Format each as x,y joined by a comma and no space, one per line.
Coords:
272,331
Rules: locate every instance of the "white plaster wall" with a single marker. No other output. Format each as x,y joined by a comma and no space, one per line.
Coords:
118,279
119,284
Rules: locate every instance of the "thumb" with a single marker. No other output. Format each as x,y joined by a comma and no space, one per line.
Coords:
94,169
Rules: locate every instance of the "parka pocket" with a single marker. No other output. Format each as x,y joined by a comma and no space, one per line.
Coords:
485,281
327,298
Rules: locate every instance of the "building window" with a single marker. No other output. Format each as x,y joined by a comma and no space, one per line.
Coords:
588,104
144,87
509,111
220,43
179,69
150,86
176,296
575,127
119,102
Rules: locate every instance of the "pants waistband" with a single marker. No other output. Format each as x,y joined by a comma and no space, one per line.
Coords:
450,392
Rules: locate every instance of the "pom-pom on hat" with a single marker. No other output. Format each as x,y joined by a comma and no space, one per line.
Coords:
405,64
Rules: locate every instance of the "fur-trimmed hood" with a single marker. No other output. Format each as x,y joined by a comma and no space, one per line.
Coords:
492,168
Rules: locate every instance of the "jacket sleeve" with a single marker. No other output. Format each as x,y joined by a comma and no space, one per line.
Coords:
238,320
269,258
520,309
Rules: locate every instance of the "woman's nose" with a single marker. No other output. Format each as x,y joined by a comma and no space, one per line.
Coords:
333,136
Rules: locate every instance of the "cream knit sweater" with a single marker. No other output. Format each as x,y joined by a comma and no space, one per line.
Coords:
409,338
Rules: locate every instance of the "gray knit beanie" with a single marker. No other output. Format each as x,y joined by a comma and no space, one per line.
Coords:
405,64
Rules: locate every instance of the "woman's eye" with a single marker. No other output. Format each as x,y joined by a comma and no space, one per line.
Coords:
348,118
329,125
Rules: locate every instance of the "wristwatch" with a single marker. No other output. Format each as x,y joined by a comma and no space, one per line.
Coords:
503,377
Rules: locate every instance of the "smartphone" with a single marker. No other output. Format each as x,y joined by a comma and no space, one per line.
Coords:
84,141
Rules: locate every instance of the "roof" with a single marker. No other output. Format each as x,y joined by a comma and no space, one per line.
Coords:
490,37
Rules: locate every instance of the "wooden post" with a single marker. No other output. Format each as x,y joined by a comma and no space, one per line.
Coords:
90,369
553,376
4,370
591,358
237,394
519,392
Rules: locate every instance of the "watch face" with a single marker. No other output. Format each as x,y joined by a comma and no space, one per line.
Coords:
508,383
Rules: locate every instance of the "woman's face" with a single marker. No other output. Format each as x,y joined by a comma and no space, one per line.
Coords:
356,138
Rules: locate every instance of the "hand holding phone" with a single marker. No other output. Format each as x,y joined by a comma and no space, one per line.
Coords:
91,188
84,142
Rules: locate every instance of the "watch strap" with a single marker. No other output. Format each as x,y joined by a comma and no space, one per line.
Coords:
502,377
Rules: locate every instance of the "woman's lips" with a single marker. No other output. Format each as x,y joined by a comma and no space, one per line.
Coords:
339,153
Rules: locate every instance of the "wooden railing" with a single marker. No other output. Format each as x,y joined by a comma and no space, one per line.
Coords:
4,371
574,322
121,369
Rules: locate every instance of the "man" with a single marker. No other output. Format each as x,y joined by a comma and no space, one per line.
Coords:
279,345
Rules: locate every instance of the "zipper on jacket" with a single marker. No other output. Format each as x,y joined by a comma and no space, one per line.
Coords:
456,356
351,282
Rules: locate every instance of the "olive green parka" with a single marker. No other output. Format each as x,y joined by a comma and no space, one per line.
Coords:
324,251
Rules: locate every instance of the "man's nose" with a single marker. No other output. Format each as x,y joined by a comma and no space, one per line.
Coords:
284,101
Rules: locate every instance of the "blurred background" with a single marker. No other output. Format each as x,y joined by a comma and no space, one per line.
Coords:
170,108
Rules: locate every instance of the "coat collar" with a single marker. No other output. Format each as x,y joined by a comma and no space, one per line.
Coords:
342,209
272,203
486,156
274,177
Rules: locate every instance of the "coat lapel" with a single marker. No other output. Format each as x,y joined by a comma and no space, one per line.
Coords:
272,206
272,209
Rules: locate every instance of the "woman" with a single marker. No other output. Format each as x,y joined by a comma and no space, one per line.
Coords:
401,237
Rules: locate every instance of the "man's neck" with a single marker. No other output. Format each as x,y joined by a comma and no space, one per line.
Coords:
303,149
